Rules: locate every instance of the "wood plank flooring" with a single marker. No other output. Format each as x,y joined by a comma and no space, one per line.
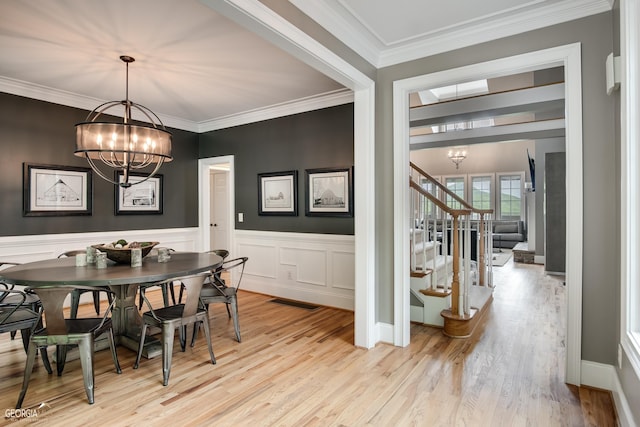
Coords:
297,367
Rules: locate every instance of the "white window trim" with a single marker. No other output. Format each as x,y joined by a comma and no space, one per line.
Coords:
492,199
630,182
444,179
497,193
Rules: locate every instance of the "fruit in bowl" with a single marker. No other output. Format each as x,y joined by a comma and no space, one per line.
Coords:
120,251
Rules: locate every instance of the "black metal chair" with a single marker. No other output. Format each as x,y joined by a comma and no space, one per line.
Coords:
167,288
61,332
222,253
218,290
16,314
75,295
173,317
31,300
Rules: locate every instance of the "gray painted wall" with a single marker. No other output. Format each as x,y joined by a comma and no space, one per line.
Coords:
555,206
543,146
601,247
316,139
40,132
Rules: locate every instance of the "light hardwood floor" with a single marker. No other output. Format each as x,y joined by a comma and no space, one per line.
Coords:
296,367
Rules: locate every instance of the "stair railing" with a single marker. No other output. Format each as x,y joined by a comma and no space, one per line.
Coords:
483,221
424,205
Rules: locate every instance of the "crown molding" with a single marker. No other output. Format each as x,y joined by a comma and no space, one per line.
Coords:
493,29
316,102
343,25
69,99
55,96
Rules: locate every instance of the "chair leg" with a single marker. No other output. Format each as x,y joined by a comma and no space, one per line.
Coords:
234,312
86,347
172,292
168,333
45,359
207,334
31,358
196,327
228,312
61,357
75,301
182,336
165,293
114,355
96,301
25,334
143,333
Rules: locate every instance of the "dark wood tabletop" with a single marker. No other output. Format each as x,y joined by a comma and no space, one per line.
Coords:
64,271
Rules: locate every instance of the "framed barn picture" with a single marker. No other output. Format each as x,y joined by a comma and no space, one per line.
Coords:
329,192
143,197
278,193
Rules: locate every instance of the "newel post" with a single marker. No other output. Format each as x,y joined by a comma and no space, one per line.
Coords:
455,283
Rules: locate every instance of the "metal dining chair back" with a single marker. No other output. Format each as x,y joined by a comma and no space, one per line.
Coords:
17,314
75,296
31,300
61,331
173,317
219,289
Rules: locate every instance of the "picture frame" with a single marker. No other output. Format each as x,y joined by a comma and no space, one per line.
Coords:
278,193
53,190
144,197
329,192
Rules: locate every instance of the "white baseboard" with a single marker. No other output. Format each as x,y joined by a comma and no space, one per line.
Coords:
600,375
384,333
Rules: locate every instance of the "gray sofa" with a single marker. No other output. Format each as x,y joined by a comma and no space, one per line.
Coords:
507,234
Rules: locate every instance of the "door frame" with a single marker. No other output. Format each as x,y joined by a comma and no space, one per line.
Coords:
204,190
258,18
568,56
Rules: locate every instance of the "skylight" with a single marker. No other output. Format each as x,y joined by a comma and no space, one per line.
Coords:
431,96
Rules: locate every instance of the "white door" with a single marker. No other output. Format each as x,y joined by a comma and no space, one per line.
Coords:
219,210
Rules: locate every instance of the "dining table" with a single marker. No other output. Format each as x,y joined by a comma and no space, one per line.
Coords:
123,280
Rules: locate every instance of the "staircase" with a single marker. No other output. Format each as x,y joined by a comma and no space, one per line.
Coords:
451,275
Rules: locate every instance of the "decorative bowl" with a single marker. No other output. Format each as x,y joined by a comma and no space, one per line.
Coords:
123,255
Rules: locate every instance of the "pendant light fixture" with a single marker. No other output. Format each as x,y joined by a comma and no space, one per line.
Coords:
123,146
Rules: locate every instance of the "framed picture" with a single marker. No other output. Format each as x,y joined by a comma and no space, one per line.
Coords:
278,193
329,192
50,190
142,198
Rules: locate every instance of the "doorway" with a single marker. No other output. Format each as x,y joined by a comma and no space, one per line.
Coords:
216,202
566,56
219,206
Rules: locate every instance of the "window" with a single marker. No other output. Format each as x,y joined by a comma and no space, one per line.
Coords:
510,196
429,208
481,191
630,203
455,184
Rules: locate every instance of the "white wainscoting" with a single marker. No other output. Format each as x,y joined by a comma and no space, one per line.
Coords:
24,249
38,247
314,268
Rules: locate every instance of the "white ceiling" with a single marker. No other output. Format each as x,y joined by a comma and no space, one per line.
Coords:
195,68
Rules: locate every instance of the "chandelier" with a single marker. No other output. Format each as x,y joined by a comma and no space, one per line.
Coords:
457,156
123,146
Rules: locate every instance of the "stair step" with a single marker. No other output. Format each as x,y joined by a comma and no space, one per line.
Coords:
421,273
